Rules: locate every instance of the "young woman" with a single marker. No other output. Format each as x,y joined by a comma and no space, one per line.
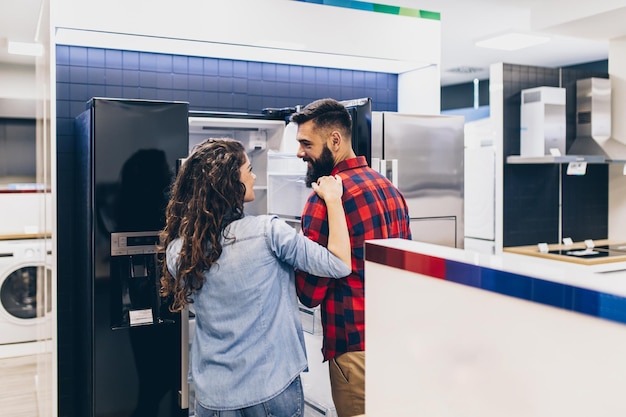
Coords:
238,271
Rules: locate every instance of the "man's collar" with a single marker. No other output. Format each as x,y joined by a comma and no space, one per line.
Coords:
350,163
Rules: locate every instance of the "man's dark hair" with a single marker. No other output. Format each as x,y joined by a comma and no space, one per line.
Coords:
326,113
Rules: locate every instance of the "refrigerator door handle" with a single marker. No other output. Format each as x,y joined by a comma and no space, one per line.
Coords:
382,165
376,165
394,172
183,399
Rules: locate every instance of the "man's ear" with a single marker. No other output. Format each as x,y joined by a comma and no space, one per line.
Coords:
335,140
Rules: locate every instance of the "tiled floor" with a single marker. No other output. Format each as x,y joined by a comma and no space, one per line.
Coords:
18,384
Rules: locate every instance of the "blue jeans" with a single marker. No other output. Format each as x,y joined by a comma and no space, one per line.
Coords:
289,403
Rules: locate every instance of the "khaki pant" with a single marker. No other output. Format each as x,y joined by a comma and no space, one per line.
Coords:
347,382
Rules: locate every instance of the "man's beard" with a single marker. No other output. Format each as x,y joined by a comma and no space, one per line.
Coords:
321,167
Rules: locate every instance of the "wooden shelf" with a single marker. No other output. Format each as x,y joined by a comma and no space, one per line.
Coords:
25,236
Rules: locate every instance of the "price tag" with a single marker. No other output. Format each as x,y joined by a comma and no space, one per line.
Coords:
589,243
138,317
555,152
543,247
567,241
576,168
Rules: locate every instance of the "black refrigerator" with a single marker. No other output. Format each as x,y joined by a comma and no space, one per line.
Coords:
129,360
360,110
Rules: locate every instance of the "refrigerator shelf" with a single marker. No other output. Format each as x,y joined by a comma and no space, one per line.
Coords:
549,159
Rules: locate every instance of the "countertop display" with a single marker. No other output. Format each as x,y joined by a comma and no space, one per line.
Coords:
454,332
608,277
603,251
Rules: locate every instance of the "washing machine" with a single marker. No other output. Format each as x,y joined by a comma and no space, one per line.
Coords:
25,313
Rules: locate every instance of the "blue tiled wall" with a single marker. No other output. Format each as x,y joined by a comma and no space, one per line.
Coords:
207,84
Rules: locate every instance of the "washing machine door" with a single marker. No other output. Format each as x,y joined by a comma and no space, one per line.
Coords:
18,293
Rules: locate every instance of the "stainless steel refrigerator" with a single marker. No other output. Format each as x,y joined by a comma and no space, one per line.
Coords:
423,156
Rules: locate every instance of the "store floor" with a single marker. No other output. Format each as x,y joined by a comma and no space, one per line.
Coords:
17,385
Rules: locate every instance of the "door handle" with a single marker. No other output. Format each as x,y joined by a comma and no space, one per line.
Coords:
183,394
376,165
394,172
382,166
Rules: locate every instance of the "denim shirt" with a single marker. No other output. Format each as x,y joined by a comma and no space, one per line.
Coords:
248,344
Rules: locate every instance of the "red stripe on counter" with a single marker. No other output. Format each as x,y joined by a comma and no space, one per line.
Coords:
581,300
408,261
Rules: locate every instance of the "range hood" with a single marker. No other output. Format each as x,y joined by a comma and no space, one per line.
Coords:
593,122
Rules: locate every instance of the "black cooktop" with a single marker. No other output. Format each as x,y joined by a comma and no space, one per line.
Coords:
603,251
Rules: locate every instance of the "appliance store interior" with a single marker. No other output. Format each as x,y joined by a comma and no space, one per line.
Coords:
515,182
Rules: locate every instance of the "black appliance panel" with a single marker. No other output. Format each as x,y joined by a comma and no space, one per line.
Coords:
361,112
127,155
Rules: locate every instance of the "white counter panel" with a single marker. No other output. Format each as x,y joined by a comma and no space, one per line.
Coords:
440,348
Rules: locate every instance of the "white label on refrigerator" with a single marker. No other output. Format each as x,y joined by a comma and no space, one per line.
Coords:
138,317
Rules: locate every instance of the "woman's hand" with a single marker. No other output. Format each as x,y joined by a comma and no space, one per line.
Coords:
328,188
331,189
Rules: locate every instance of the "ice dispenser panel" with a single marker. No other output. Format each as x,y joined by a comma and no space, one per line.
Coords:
135,298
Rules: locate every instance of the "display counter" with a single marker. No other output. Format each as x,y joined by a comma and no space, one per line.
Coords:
458,333
600,252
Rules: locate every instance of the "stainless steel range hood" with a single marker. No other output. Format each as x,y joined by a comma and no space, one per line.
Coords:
593,122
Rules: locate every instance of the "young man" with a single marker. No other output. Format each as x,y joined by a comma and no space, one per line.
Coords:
375,209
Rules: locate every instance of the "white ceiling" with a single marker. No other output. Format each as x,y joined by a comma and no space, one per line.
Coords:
579,32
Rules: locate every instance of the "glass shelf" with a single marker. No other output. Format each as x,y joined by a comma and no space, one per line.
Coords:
549,159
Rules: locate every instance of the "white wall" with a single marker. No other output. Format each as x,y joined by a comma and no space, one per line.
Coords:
25,214
17,81
267,31
17,91
617,180
419,91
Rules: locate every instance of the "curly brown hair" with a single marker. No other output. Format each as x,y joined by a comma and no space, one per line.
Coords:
207,195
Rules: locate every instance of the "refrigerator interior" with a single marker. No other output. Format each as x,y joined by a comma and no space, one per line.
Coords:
258,135
318,400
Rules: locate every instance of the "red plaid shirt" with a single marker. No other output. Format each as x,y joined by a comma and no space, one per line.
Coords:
375,209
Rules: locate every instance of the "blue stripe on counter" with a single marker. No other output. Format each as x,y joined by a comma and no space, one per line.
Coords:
580,300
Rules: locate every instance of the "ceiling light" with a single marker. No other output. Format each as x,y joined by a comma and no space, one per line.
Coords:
466,70
25,48
512,41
